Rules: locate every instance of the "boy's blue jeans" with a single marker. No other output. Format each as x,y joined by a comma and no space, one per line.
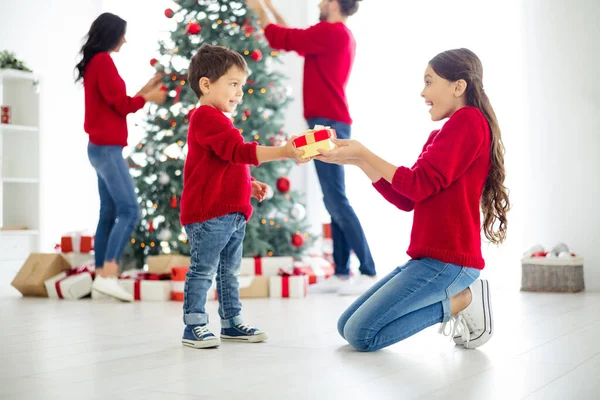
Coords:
119,209
408,300
216,248
346,230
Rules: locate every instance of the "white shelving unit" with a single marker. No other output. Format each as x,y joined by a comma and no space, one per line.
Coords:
19,171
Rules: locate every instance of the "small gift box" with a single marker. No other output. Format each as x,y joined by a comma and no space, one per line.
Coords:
76,242
265,266
314,139
70,285
5,115
288,285
143,286
147,286
315,267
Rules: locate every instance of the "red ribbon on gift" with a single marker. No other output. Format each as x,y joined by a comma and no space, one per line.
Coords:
313,137
147,276
285,280
71,272
257,265
285,286
137,289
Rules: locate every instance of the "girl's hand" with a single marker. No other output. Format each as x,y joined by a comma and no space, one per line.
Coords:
259,190
346,152
290,151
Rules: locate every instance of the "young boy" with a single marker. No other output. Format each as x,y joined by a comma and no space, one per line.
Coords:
215,203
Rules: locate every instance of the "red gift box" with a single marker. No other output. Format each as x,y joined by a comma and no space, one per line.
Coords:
5,115
76,242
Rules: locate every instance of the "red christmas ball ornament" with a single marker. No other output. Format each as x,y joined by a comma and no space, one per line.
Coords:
256,55
297,240
150,226
164,88
193,28
250,82
174,201
169,13
247,113
153,62
283,184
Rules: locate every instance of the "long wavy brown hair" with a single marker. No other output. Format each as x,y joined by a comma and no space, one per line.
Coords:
457,64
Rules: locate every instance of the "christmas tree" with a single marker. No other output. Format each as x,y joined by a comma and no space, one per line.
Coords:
277,227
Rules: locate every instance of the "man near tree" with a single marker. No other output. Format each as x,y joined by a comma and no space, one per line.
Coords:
328,49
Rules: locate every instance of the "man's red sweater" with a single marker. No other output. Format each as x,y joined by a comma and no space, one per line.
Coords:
106,102
444,188
328,49
216,176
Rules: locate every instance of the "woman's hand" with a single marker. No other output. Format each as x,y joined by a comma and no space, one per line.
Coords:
347,152
155,81
156,95
255,5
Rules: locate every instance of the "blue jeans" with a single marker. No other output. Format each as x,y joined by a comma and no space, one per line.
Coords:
216,248
408,300
346,231
119,209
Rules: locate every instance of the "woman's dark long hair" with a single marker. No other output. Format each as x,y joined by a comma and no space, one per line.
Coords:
457,64
104,35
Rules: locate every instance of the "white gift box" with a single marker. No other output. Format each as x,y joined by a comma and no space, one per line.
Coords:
265,266
69,287
145,290
294,286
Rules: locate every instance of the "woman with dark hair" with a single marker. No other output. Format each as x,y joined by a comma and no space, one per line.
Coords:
458,176
106,108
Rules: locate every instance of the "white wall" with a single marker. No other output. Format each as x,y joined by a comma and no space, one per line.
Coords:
47,36
563,162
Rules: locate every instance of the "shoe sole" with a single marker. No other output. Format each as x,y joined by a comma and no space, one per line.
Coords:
201,344
488,318
113,295
261,337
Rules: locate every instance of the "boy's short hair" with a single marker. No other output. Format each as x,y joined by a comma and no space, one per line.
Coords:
213,62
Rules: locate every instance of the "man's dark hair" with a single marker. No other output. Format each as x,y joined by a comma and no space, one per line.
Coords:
349,7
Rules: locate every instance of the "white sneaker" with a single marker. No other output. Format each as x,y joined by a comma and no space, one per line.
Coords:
329,285
110,287
356,285
472,327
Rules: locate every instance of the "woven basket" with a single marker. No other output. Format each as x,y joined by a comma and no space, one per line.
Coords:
552,274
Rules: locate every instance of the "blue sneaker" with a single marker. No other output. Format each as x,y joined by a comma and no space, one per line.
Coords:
199,337
243,333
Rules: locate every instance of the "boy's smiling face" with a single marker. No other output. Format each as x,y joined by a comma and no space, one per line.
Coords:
226,92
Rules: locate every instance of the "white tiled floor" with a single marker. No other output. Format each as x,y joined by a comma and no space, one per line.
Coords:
547,346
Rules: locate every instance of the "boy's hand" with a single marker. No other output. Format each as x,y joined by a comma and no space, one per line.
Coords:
290,151
259,190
